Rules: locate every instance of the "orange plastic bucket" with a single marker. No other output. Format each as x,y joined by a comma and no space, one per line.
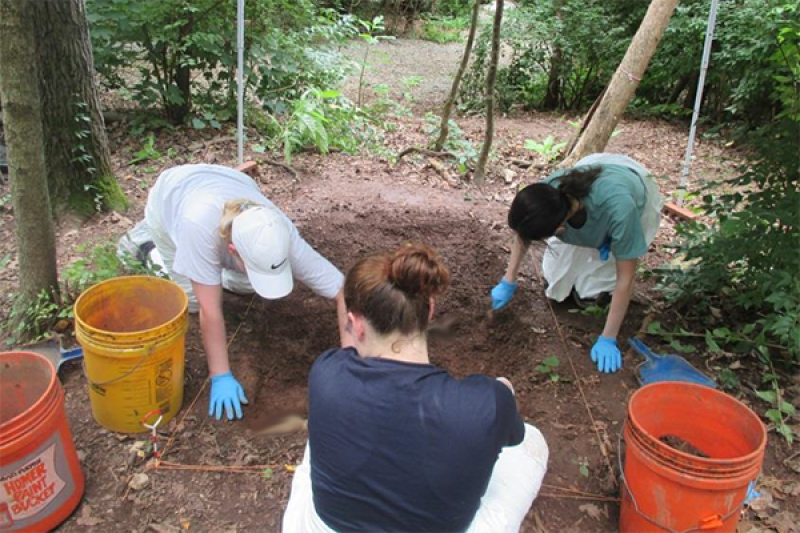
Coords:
41,481
133,331
665,489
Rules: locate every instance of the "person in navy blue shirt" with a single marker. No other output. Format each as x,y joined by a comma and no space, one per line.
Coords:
397,444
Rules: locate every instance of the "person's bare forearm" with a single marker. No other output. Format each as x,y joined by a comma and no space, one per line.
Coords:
518,251
212,328
626,272
341,317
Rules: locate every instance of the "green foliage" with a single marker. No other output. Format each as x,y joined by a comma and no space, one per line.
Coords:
148,151
180,55
325,120
548,367
751,39
584,40
444,30
548,148
33,323
465,152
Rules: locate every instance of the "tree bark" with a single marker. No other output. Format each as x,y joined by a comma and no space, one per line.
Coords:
552,99
624,82
22,121
491,75
444,128
76,145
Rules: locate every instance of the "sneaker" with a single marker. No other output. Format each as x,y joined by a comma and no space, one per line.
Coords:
601,300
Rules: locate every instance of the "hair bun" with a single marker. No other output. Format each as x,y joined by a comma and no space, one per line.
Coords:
418,271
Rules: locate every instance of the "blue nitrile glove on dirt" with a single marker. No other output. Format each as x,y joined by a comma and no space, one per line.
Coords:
606,354
502,294
226,392
605,249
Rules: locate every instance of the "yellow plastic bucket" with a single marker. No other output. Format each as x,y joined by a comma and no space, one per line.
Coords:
133,332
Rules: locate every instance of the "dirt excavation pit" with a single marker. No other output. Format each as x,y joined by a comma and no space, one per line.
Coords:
289,334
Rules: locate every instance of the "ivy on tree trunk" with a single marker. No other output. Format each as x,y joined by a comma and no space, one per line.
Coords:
22,122
76,146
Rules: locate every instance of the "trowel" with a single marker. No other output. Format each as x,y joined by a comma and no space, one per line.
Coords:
54,352
666,367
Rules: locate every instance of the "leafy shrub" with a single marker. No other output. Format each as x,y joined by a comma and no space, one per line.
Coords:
583,41
180,55
745,264
444,30
98,264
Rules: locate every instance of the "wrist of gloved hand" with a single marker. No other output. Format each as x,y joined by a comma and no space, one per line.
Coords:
606,354
227,394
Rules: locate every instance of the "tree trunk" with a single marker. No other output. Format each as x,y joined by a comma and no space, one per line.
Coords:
444,128
624,82
491,75
552,99
22,121
76,145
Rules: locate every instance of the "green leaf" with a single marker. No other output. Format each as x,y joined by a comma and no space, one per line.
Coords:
786,432
584,470
5,261
767,395
198,124
654,328
787,408
712,344
551,361
682,348
266,473
774,415
542,369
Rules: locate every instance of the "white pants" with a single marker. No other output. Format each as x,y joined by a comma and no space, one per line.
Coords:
152,229
515,482
566,266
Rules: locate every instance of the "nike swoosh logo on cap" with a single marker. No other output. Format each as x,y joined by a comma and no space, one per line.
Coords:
276,267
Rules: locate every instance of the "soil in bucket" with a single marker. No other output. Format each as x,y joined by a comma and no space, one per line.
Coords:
682,445
41,481
132,331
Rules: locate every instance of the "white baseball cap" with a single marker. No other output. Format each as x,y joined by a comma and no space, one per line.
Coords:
261,236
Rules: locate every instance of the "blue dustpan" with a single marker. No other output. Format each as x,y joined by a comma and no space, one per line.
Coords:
669,367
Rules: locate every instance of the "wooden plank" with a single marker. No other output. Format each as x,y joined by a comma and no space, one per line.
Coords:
249,167
679,212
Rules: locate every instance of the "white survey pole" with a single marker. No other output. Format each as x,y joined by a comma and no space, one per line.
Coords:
240,81
687,161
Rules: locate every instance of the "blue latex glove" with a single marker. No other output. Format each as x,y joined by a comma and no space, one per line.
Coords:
605,249
606,354
226,392
502,294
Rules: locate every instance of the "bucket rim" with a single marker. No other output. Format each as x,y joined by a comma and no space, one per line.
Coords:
40,405
749,458
130,334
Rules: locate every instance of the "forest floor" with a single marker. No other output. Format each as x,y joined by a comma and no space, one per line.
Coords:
347,206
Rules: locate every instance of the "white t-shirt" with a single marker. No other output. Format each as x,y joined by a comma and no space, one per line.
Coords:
189,200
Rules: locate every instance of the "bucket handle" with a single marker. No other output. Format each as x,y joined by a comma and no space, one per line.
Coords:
150,349
710,522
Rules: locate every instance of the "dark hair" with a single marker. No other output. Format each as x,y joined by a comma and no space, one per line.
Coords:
392,290
539,209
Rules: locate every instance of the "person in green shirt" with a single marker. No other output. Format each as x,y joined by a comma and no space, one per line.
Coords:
598,219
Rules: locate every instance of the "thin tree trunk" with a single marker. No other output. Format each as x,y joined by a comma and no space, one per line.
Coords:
444,128
76,145
22,121
552,99
624,82
491,75
679,87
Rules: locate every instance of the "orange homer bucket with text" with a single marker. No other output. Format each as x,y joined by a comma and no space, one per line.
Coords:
41,481
133,332
676,490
